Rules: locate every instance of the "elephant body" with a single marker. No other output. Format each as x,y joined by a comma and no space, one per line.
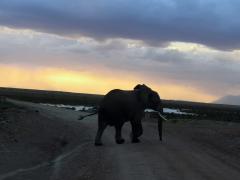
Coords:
119,106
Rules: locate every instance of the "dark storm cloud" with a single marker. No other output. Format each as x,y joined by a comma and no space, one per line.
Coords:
211,22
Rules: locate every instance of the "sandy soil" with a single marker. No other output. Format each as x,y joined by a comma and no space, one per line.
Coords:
41,142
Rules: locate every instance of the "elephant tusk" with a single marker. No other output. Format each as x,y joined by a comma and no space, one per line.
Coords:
154,111
162,116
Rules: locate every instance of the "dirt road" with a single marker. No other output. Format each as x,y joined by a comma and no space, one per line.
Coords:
177,157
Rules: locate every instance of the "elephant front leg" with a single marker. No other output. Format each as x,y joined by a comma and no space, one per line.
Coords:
101,128
118,136
136,131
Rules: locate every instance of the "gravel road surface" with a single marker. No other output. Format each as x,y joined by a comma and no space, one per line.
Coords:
178,157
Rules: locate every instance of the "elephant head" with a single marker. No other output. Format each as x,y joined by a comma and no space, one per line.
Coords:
148,98
151,100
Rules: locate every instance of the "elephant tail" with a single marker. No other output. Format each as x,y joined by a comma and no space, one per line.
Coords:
82,117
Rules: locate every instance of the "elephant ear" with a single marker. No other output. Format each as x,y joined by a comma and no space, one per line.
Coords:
144,97
142,93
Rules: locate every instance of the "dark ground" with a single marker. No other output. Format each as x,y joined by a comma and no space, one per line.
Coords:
41,142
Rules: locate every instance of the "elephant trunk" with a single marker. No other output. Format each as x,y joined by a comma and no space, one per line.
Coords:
160,127
160,120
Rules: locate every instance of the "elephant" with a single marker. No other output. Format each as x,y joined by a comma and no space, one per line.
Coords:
119,106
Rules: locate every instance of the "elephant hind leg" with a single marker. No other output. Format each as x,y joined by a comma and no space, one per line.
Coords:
101,127
137,131
118,136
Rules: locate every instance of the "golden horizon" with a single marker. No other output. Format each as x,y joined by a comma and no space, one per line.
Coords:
59,79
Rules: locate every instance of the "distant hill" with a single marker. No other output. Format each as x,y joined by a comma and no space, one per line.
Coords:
54,97
232,100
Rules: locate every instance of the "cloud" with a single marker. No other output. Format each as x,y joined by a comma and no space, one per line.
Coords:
213,23
188,65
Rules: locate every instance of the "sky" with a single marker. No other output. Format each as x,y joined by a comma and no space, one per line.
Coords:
185,50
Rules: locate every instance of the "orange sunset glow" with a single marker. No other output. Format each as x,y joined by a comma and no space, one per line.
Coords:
73,81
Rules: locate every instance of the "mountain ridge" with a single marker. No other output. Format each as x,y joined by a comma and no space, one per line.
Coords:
229,99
